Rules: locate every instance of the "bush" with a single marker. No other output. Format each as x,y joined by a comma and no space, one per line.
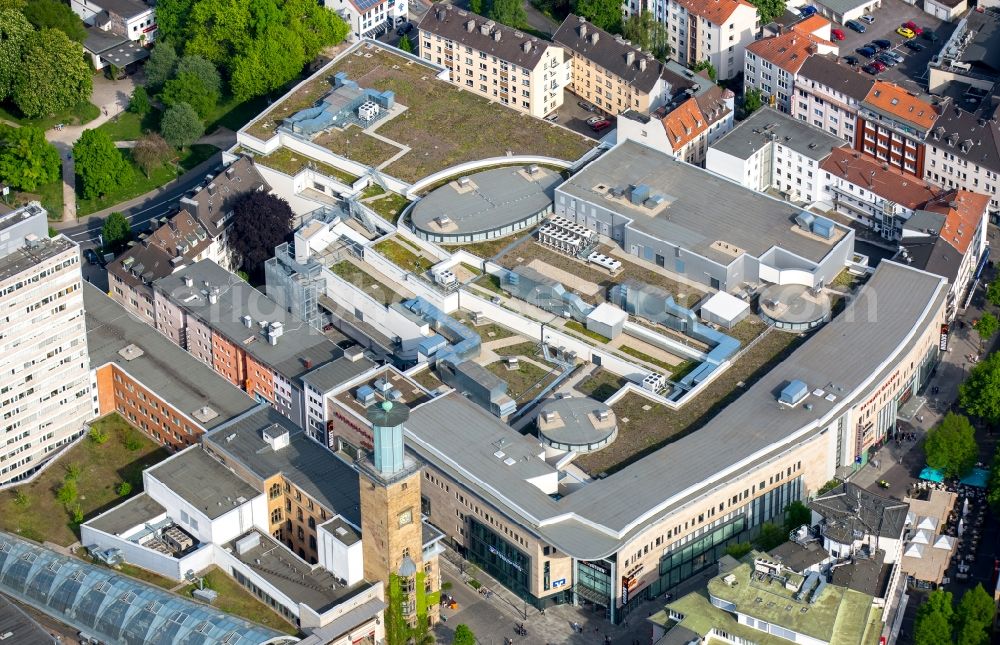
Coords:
21,499
97,435
738,549
130,439
72,472
124,489
78,515
67,493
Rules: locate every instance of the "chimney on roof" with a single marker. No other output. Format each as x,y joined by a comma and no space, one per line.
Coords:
496,35
470,26
526,46
642,64
440,14
629,58
594,37
583,29
484,28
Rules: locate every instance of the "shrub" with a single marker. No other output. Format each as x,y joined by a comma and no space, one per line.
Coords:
67,493
124,489
97,435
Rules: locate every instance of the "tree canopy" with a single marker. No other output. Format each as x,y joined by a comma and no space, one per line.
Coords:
27,160
647,33
993,293
115,231
162,61
463,636
797,514
151,152
974,617
705,65
405,44
99,164
53,14
951,446
187,88
752,101
933,623
260,222
15,33
263,44
53,75
606,14
181,125
768,10
509,12
986,327
979,395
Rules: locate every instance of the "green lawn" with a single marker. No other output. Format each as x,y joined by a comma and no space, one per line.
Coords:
581,329
403,257
145,575
646,358
525,382
428,379
50,195
131,127
33,511
601,384
141,184
356,145
390,206
232,114
371,191
234,599
291,163
485,250
83,112
364,281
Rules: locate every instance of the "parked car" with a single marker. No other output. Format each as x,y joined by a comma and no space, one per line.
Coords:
913,45
598,126
931,36
879,65
875,46
867,52
594,119
882,44
837,34
912,26
552,117
587,106
870,19
404,28
856,26
905,33
807,11
888,61
851,60
91,257
896,56
871,69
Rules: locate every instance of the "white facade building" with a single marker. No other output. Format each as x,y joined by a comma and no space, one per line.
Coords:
717,31
369,18
827,94
131,18
772,63
45,387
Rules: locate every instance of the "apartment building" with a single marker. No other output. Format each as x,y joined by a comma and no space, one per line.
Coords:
772,63
963,150
828,94
609,72
45,388
893,125
133,19
370,18
197,232
242,334
771,149
493,60
158,387
697,115
717,31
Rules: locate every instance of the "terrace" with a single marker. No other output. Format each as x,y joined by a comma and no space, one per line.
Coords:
441,125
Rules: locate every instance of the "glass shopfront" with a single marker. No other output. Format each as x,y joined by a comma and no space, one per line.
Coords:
500,559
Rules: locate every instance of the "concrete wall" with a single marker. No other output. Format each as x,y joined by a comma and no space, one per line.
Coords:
471,166
346,562
140,556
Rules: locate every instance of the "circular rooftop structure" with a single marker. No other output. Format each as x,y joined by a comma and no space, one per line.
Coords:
485,205
576,424
794,307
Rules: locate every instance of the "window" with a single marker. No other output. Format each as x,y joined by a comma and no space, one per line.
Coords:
275,491
276,516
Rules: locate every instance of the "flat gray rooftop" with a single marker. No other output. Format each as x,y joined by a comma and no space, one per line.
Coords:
131,513
171,373
494,199
300,348
346,533
755,132
865,340
703,208
21,627
203,482
312,586
576,423
25,258
328,377
318,472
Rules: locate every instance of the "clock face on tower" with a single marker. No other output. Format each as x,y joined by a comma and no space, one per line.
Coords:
406,517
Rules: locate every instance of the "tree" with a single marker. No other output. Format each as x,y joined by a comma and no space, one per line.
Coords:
204,71
647,33
606,14
260,223
115,231
797,514
752,101
53,14
738,549
509,12
171,22
974,617
27,160
463,636
951,446
771,535
476,6
124,489
405,44
979,395
986,328
162,61
931,627
181,126
151,152
267,65
768,10
15,33
99,164
53,76
705,65
993,293
139,103
188,88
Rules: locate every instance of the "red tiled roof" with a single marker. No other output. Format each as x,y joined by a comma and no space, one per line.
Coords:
893,99
885,181
788,50
684,123
716,12
963,211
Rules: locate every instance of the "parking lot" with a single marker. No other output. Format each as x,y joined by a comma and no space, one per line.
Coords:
574,117
912,72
